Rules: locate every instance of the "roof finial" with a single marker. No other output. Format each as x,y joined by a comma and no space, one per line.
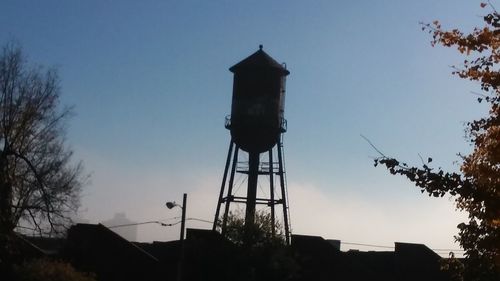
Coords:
260,47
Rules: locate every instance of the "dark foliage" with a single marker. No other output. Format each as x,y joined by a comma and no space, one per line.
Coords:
476,188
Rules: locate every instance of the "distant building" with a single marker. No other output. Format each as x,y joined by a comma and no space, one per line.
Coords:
124,227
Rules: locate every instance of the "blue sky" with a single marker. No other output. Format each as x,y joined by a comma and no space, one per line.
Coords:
150,84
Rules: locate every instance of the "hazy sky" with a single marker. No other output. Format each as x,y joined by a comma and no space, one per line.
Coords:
150,84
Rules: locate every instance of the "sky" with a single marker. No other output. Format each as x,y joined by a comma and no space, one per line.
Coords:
150,85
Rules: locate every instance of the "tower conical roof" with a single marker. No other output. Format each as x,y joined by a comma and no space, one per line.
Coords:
259,59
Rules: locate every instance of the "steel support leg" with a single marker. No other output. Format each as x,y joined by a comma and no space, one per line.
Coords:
229,191
271,187
283,192
223,185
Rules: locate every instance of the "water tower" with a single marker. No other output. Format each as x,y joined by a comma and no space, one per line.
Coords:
257,125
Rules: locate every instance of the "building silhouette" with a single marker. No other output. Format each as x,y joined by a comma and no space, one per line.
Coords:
209,256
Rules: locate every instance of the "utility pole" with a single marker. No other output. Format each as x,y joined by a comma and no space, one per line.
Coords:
183,219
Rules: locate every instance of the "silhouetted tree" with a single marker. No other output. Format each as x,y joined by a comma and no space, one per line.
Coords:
39,184
264,256
476,187
261,233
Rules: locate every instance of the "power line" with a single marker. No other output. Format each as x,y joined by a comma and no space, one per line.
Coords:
368,245
201,220
391,247
449,250
437,250
146,222
440,250
158,222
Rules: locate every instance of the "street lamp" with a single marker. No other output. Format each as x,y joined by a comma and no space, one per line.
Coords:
172,204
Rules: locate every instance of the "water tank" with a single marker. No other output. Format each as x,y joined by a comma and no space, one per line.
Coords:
257,111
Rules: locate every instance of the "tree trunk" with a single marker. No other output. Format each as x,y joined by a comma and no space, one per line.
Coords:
6,220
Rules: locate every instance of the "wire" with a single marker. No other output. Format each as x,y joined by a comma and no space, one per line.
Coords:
437,250
391,247
146,222
448,250
159,222
195,219
368,245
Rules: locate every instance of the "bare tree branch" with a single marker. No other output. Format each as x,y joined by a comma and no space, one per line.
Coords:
39,183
